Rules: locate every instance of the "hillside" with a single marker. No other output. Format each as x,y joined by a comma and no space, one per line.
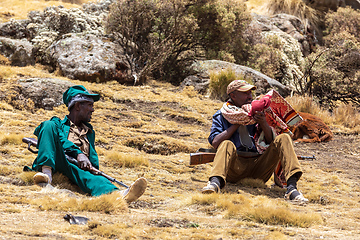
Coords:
149,131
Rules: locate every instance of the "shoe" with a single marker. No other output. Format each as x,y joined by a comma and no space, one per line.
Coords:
41,178
211,187
135,190
299,199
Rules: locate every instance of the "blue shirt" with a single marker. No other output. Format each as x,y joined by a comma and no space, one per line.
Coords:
220,124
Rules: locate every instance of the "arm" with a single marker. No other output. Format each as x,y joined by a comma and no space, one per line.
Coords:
225,135
220,130
259,117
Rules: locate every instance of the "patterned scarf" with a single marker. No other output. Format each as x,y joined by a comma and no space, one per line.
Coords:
279,114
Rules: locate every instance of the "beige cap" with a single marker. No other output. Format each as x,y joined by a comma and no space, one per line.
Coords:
239,85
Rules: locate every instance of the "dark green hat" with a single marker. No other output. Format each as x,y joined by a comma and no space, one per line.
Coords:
78,90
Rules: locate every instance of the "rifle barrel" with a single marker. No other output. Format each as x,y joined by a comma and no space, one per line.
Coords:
97,172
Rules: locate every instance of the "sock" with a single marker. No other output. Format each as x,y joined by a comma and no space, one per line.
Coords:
218,180
48,171
291,185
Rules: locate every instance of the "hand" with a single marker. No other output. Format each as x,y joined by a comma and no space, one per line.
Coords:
260,118
83,162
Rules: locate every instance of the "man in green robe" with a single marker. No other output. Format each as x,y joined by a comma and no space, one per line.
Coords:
75,137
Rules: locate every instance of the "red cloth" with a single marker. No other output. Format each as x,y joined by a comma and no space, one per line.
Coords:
260,105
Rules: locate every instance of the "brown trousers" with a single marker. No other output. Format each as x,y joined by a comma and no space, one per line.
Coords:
231,167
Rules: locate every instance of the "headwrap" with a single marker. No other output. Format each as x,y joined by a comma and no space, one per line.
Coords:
79,98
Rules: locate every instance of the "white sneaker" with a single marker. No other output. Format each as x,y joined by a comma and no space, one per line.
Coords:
211,187
299,199
135,190
41,178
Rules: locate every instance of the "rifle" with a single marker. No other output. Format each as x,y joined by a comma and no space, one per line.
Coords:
33,142
207,155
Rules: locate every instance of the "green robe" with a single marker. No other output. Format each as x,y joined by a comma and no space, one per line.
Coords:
53,144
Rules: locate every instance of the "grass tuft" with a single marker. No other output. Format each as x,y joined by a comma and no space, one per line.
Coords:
258,209
254,183
108,230
297,8
118,159
107,203
15,139
219,82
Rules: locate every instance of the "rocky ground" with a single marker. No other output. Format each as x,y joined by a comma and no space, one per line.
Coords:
164,125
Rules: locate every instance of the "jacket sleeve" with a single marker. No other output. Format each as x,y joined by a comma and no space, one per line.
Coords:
69,147
217,127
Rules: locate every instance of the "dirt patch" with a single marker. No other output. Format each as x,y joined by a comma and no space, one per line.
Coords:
177,223
341,155
171,111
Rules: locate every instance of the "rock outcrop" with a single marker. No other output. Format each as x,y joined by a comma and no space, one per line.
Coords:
88,58
34,93
202,69
19,52
72,40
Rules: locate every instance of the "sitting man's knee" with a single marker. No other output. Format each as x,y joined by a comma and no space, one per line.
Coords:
227,144
284,137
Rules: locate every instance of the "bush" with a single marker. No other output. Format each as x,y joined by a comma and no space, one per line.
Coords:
344,20
334,74
266,58
162,37
222,24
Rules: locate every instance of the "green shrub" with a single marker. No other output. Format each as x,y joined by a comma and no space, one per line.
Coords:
157,35
162,37
331,74
222,24
266,58
219,82
335,74
343,20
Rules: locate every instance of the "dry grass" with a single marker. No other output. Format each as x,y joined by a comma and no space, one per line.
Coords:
118,159
149,131
297,8
56,200
219,82
258,209
18,9
344,118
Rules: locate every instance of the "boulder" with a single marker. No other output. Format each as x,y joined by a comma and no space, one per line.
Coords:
46,93
33,93
353,3
202,69
15,29
19,52
201,85
90,58
295,43
288,24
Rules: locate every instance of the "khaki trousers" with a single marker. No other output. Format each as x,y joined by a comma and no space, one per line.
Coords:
232,167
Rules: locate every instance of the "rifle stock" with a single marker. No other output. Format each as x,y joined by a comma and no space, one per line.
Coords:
33,142
202,157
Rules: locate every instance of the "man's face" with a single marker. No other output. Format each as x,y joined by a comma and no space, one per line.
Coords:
86,110
241,98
